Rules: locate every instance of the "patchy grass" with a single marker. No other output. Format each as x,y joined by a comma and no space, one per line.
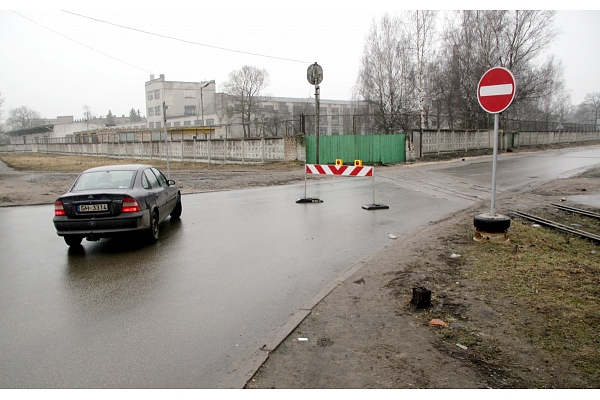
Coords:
64,163
539,291
553,282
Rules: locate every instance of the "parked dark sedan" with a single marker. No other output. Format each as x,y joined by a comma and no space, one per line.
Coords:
116,199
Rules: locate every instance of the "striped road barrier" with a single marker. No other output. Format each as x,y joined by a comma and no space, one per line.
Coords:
341,170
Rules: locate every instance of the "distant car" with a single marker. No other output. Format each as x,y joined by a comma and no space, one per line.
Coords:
113,200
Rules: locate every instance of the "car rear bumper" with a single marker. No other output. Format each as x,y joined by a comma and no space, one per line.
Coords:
102,227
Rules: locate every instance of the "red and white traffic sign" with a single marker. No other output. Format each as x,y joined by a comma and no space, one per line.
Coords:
496,90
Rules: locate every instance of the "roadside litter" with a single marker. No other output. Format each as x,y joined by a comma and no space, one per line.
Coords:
438,322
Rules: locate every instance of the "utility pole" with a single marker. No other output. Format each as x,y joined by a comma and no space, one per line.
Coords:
202,101
202,104
166,143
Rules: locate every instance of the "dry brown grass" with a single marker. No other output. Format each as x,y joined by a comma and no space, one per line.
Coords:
62,163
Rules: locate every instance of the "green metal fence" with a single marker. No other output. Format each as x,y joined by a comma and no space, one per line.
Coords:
371,149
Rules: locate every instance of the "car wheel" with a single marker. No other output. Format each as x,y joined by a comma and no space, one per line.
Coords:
73,240
154,232
176,213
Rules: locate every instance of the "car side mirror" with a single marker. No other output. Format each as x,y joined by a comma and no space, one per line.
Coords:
171,182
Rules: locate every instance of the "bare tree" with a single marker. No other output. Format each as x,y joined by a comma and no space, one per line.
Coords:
87,114
386,75
23,118
420,26
592,104
244,91
134,116
551,99
475,41
1,112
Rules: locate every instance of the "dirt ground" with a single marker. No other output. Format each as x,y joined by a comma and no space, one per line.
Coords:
33,187
365,334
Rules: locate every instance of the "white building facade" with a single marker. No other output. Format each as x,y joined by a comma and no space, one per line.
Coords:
195,104
187,103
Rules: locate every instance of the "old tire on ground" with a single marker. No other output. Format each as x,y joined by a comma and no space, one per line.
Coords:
487,223
73,240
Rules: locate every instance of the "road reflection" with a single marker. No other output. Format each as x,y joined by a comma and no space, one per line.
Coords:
113,276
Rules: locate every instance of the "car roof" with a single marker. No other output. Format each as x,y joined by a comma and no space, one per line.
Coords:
118,167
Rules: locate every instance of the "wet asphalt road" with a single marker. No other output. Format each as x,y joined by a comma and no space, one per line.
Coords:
195,309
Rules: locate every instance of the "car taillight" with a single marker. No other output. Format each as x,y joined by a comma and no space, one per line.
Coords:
130,205
59,210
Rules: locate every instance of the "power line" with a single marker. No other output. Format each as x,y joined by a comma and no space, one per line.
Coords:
81,44
188,41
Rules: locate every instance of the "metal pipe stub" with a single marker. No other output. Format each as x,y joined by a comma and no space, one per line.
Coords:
490,228
421,298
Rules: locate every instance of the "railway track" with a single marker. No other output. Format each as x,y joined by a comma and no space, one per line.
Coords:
576,210
561,227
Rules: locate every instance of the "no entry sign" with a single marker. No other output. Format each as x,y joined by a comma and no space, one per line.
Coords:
496,90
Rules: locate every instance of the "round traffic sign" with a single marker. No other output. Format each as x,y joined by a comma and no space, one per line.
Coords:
314,74
496,90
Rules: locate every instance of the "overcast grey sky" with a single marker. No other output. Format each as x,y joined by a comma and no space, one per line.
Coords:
55,58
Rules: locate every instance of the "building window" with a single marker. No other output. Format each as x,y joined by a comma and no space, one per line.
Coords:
177,124
157,110
150,124
157,125
198,122
335,116
322,115
210,121
190,110
157,94
187,123
150,111
168,124
269,107
149,95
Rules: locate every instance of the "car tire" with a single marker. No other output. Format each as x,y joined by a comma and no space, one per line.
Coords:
154,231
176,213
73,241
486,223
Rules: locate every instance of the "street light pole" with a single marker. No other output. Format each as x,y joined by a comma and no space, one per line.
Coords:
164,106
202,102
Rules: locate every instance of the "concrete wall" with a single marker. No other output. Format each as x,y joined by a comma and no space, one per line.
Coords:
441,141
252,150
282,149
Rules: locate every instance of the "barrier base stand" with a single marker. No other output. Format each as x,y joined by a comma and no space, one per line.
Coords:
375,207
309,200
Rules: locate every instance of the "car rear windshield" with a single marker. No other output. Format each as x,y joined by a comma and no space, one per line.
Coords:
104,180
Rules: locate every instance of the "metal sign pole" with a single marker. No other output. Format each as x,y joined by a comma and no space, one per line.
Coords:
373,180
495,161
317,108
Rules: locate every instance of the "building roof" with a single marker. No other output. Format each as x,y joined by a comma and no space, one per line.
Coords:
30,131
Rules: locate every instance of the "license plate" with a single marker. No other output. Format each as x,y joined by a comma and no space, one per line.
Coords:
92,207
